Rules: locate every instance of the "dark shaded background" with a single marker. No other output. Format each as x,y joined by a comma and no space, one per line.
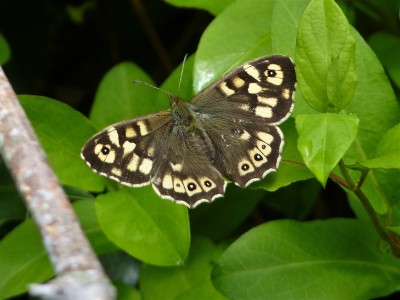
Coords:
57,55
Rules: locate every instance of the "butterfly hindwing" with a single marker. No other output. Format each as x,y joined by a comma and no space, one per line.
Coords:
185,173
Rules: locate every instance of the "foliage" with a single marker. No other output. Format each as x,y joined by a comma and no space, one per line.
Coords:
343,133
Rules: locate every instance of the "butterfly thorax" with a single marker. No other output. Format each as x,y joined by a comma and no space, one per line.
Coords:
181,113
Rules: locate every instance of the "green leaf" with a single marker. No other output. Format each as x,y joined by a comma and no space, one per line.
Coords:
324,139
284,24
213,7
388,151
23,263
342,77
62,132
127,292
153,230
5,52
334,259
228,42
28,262
118,99
191,281
325,57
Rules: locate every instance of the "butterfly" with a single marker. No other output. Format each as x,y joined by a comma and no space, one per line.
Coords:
229,130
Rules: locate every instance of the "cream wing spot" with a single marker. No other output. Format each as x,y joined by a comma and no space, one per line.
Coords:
145,166
128,147
113,136
142,128
266,137
167,182
252,71
264,147
245,167
176,167
244,107
225,89
263,111
207,184
116,171
178,186
130,132
245,136
150,151
286,93
98,148
270,101
254,88
191,186
133,163
238,82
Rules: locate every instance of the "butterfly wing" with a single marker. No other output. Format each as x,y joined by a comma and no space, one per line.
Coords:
240,112
125,151
184,172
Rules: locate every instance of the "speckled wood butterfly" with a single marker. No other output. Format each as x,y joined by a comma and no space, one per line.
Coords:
228,129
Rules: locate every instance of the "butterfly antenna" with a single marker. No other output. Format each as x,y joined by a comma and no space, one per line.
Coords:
152,86
180,77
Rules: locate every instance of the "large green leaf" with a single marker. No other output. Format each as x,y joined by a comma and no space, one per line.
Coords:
227,41
62,132
153,230
118,98
325,57
334,259
191,281
324,139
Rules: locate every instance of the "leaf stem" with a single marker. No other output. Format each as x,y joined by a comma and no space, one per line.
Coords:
391,239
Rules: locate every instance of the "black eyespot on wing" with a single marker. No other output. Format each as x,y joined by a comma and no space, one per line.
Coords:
105,150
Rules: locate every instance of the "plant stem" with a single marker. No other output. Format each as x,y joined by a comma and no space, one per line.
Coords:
392,240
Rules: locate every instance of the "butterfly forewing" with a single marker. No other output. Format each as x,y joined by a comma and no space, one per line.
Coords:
228,129
263,89
126,151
